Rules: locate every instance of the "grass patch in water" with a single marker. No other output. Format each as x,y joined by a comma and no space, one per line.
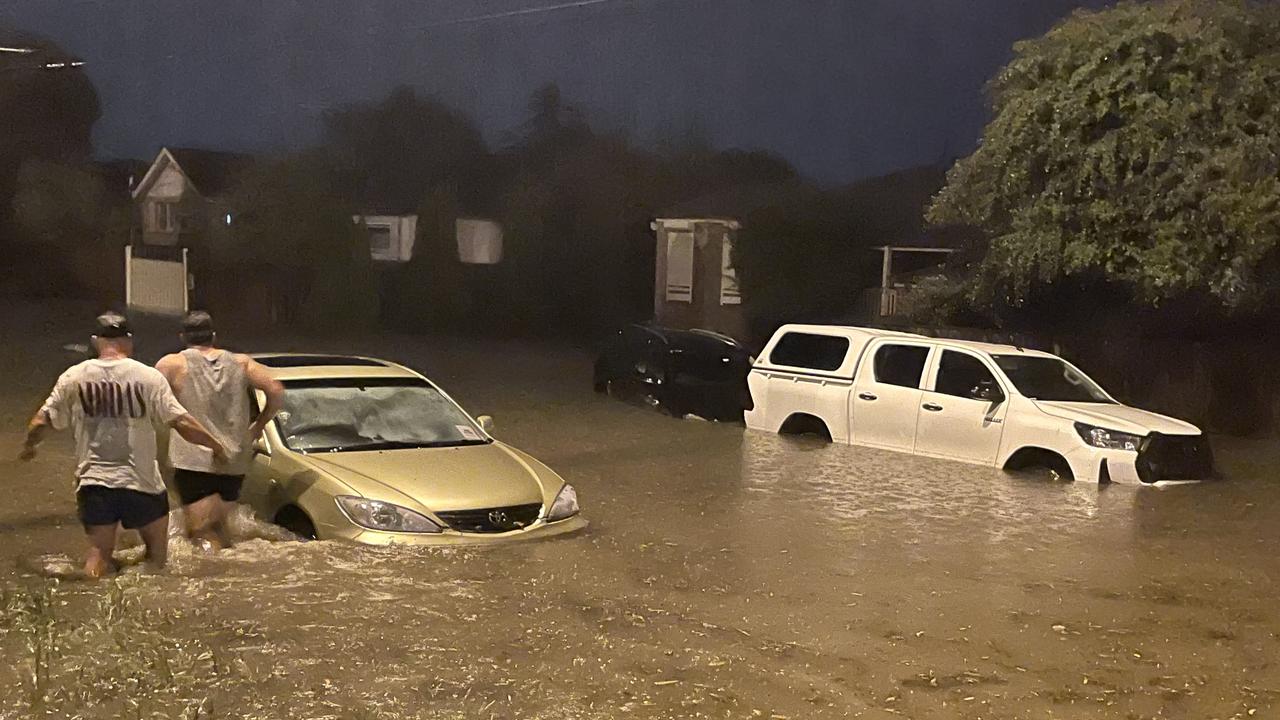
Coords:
79,654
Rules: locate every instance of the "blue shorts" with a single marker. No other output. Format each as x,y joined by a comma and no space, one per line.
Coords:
101,505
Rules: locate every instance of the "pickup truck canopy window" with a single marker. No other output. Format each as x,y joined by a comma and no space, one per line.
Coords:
806,350
960,374
901,365
1049,379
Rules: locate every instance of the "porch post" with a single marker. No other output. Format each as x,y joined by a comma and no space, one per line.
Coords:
886,270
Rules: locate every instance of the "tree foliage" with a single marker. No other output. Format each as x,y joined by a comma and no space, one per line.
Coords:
57,205
391,153
1138,145
289,215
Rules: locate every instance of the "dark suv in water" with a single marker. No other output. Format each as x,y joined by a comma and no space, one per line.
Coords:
684,372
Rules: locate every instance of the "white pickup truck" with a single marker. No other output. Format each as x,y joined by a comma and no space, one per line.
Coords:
995,405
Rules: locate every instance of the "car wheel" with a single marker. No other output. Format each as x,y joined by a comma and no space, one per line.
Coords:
296,522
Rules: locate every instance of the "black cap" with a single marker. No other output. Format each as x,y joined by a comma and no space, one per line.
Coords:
112,325
197,326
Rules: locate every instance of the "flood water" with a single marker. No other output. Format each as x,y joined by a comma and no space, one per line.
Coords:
725,574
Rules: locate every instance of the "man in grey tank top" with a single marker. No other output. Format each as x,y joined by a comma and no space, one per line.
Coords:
215,386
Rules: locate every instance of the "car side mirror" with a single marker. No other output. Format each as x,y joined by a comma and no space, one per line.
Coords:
260,447
987,391
486,423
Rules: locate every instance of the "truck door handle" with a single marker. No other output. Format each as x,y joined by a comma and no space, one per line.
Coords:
866,396
932,407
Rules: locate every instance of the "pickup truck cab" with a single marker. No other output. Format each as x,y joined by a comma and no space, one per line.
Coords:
996,405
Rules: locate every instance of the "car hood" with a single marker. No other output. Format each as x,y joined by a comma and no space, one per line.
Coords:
442,479
1118,417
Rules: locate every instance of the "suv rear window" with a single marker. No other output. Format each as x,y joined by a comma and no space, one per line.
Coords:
805,350
901,365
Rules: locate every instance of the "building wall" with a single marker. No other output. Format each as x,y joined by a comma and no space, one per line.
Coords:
705,309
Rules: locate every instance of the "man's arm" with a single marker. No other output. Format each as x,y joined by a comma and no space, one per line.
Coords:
169,366
54,413
261,380
35,434
193,432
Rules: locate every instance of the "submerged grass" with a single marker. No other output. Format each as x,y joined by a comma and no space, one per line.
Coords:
99,653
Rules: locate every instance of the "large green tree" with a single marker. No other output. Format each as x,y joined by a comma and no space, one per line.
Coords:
290,216
1138,146
391,153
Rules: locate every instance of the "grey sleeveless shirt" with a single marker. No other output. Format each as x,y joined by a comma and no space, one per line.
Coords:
216,392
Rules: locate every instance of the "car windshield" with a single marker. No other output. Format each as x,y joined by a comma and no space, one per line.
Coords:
1051,379
373,414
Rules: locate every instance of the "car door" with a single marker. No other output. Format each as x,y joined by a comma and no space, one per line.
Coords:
962,409
886,400
259,481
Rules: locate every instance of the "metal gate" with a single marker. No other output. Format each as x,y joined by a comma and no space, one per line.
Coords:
156,279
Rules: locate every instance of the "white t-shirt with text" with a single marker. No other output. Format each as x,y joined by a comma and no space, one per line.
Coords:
114,408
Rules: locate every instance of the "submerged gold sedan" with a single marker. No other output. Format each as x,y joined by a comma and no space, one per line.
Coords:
371,451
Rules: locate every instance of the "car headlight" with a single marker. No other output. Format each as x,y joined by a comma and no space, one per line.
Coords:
565,506
378,515
1108,439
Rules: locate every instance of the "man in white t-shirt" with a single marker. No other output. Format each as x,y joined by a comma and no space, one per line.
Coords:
115,405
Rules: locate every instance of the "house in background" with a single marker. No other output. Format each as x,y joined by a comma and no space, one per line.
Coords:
901,268
180,204
391,236
695,284
182,199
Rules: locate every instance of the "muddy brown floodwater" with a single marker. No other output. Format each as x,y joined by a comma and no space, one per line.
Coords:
726,574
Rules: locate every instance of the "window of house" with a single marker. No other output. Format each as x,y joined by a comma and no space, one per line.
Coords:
901,365
959,374
679,266
805,350
162,217
380,239
729,292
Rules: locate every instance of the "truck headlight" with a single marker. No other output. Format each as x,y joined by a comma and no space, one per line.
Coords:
1108,439
565,506
378,515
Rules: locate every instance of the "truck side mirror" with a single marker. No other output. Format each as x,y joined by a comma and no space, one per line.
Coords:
486,423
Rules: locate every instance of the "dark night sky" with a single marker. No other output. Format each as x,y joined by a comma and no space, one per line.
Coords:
842,88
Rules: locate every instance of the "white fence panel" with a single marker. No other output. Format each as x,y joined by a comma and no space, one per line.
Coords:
157,286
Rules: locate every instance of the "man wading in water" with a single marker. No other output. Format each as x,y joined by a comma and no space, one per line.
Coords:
115,405
215,385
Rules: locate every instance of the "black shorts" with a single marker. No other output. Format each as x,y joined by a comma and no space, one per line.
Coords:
101,505
193,485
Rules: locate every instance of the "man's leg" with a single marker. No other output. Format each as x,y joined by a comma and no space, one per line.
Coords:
203,518
155,535
102,542
224,514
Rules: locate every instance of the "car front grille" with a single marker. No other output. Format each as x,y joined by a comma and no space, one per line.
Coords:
1175,457
492,520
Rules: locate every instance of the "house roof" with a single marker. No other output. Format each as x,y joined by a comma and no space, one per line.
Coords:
211,172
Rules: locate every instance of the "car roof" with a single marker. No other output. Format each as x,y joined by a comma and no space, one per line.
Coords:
313,366
668,333
866,334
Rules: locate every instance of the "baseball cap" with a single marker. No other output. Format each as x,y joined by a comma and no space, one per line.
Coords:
197,327
112,324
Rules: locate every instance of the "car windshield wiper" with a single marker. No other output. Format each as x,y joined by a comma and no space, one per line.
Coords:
399,445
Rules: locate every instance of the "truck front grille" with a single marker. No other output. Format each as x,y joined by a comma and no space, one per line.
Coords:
1175,457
